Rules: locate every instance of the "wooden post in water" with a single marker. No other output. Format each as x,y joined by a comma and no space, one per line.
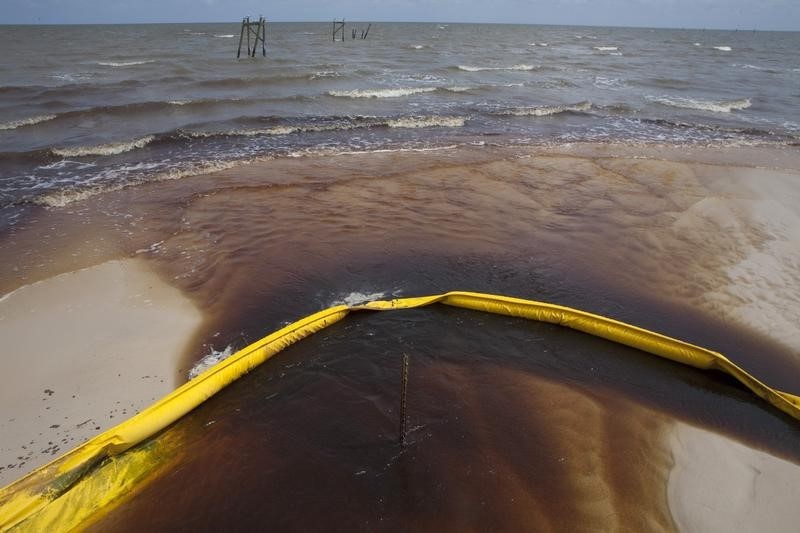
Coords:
247,28
241,36
338,27
259,32
403,394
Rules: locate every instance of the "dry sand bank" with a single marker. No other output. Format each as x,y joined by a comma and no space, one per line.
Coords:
82,351
718,484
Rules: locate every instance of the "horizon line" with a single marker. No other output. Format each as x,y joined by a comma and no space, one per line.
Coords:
237,21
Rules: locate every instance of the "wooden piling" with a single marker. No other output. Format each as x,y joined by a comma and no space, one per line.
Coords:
338,26
259,33
241,36
403,395
248,36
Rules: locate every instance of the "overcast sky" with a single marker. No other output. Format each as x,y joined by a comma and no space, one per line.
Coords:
742,14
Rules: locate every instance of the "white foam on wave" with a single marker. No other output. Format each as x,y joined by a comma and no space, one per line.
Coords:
724,106
225,36
67,163
605,82
64,197
14,124
125,63
179,102
427,122
313,152
210,360
543,111
469,68
538,44
104,149
416,47
324,74
698,44
458,89
722,48
282,130
382,93
606,48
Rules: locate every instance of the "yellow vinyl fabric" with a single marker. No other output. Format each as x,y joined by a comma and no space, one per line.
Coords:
69,491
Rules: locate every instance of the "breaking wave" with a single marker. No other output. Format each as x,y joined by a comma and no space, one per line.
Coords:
427,122
543,111
64,197
104,149
724,106
382,93
413,122
125,63
606,48
722,48
14,124
481,69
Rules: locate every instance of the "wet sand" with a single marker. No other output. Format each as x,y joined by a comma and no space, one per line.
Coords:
698,244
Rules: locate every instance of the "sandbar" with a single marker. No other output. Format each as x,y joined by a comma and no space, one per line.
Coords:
718,484
83,351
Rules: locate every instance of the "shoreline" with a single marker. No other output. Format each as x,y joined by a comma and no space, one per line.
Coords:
88,349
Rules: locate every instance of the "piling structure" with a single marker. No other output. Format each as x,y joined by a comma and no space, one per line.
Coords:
258,30
338,27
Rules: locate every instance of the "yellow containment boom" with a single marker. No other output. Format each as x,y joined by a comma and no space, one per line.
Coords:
84,482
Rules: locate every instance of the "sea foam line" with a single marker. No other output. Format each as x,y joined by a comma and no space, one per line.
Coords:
724,106
722,48
469,68
125,63
104,149
382,93
427,122
14,124
64,197
424,121
606,48
543,111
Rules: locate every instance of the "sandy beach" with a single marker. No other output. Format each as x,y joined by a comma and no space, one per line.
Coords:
83,351
705,239
718,484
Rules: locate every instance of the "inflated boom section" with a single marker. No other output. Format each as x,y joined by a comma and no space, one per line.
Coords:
80,485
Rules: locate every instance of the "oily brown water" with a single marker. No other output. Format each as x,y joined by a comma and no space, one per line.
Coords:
513,424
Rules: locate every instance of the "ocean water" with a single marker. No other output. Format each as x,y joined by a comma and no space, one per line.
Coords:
88,109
